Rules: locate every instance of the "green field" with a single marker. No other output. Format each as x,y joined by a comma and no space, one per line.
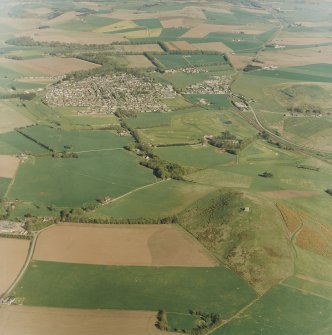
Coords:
172,61
4,183
58,139
307,127
150,120
14,143
10,117
309,73
87,23
320,288
181,321
195,156
74,181
283,311
219,101
234,17
134,288
188,127
164,199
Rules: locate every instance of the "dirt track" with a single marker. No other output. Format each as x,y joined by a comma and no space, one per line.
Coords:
13,253
136,245
23,320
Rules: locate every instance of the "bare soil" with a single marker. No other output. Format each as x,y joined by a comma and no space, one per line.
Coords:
8,166
213,46
135,245
138,61
13,253
19,320
180,45
65,36
297,57
54,66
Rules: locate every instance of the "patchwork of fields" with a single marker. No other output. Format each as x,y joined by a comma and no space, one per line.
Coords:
193,139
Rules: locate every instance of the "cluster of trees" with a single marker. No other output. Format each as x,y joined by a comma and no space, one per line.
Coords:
164,169
251,67
305,108
54,14
206,322
160,67
22,96
64,154
329,191
162,322
307,167
229,142
267,136
20,237
70,216
33,139
266,174
161,168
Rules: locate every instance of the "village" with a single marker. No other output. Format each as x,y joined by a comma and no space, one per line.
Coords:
112,94
215,85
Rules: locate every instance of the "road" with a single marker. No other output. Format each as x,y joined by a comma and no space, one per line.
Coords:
302,147
27,262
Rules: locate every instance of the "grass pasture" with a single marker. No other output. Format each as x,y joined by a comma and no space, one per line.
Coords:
283,310
58,139
172,61
310,73
312,132
86,23
117,26
310,285
195,156
146,288
11,118
165,198
13,143
4,183
186,127
219,101
74,181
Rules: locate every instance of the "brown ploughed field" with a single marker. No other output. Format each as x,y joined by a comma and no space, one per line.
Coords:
13,255
24,320
54,66
135,245
8,166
